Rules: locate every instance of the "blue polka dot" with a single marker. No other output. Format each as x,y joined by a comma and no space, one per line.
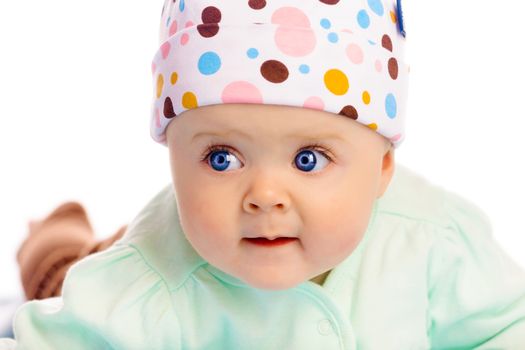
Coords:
377,7
363,19
209,63
333,37
325,23
252,53
168,21
371,42
181,5
304,68
391,106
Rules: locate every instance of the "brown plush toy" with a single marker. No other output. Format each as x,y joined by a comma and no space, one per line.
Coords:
53,245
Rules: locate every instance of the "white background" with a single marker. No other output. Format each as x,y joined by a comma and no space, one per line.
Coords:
75,92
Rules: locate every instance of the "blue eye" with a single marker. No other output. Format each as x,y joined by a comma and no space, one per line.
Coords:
306,160
221,159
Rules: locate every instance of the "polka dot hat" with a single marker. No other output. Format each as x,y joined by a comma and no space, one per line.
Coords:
340,56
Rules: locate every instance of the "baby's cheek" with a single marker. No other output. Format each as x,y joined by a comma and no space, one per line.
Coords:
339,230
202,222
194,217
347,241
203,232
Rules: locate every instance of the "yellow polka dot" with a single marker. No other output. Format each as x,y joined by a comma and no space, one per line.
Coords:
160,85
174,78
372,126
336,81
189,100
393,17
366,97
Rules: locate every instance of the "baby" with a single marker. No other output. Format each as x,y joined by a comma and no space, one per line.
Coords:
287,224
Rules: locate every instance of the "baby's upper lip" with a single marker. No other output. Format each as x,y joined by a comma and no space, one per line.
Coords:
274,237
270,236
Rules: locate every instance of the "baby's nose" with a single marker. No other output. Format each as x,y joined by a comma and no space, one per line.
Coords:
266,197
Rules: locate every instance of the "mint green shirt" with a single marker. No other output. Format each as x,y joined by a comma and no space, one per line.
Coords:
427,275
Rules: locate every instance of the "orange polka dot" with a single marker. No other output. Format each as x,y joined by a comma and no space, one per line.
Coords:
393,17
336,82
373,126
174,78
160,85
189,100
366,97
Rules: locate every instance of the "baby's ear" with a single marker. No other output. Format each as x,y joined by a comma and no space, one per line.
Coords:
388,165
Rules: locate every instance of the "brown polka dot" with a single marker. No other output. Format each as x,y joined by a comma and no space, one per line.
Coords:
387,43
329,2
393,68
211,14
257,4
207,30
350,112
168,108
274,71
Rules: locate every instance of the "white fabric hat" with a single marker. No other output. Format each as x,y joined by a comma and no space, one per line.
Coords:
340,56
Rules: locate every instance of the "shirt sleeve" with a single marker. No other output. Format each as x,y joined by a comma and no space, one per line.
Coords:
476,291
110,300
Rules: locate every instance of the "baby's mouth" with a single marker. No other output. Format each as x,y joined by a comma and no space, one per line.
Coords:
264,242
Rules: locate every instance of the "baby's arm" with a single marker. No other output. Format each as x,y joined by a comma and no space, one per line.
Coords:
110,300
48,324
476,291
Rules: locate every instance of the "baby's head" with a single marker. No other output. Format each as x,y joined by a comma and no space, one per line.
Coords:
281,121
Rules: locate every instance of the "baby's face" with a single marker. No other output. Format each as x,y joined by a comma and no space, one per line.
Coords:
291,172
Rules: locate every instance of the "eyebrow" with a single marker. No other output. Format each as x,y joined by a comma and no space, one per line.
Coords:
242,134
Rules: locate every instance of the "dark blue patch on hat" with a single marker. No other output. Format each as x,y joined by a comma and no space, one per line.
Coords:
400,21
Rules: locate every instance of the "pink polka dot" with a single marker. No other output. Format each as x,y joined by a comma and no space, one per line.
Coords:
290,16
188,24
379,66
292,37
184,39
241,92
153,68
173,28
354,53
346,30
314,102
295,42
165,49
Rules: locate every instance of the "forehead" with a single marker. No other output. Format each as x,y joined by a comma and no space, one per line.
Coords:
272,124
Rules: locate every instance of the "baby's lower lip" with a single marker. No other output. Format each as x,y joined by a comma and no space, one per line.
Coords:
271,243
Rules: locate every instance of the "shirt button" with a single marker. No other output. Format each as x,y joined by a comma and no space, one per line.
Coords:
325,327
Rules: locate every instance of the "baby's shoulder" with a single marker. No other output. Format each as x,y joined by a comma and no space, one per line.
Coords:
414,197
120,272
110,297
433,223
115,284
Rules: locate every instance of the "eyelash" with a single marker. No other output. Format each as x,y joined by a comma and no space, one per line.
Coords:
218,147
